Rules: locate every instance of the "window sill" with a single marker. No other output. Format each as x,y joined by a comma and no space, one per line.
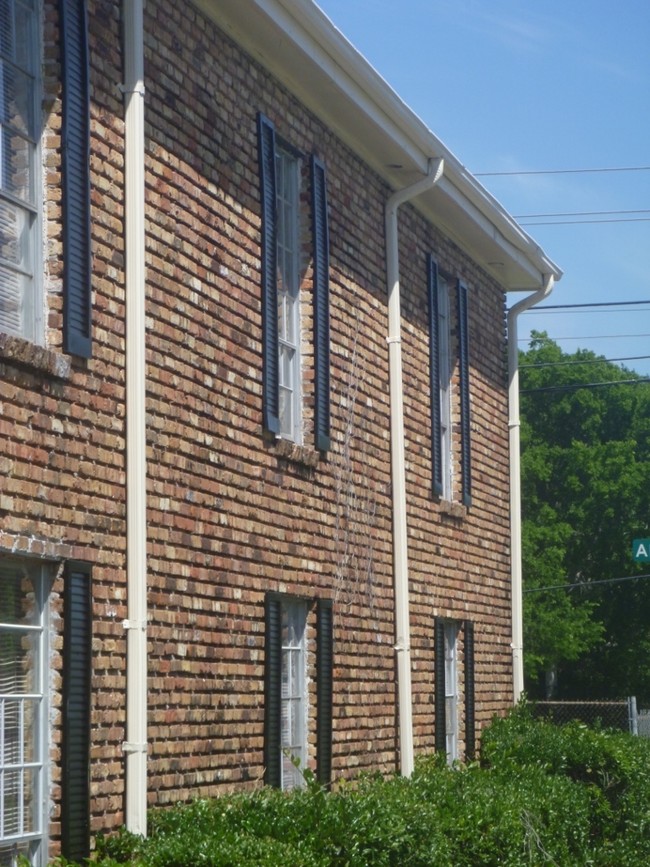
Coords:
295,454
450,509
22,353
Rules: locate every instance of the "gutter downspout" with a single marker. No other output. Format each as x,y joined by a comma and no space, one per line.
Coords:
514,425
398,475
135,746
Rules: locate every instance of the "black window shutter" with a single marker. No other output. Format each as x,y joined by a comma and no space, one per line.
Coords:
77,300
470,717
324,674
321,304
434,377
463,353
77,668
440,705
270,351
273,690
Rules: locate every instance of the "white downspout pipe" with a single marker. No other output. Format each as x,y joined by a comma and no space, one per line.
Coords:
514,424
398,475
135,746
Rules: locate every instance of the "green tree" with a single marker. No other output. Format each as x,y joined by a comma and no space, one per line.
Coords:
585,496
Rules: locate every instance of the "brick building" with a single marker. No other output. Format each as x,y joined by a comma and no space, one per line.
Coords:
252,504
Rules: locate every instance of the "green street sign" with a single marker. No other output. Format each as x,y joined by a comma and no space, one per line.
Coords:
641,550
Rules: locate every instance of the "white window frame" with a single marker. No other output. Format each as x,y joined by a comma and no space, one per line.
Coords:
294,698
27,319
19,839
287,167
445,368
451,689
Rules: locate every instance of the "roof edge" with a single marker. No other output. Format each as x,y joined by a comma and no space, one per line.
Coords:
302,47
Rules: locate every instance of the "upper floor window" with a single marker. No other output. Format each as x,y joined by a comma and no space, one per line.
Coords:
291,407
451,460
288,288
20,301
445,369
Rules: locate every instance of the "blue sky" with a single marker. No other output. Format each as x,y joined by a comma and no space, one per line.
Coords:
512,86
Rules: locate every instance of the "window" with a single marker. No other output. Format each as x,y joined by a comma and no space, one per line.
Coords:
21,279
442,361
463,364
285,256
287,171
287,693
441,366
20,299
446,366
23,711
447,640
451,691
293,741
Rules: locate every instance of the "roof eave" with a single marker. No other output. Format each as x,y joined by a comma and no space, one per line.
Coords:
301,47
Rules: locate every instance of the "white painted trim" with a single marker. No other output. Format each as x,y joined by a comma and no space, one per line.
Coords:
135,748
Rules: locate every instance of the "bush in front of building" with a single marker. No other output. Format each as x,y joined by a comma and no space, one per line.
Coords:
541,794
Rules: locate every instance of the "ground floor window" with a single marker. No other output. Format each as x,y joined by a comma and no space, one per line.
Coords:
298,671
23,711
454,668
293,741
451,690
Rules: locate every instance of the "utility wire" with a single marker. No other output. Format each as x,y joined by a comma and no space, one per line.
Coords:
564,171
577,385
586,337
591,304
640,309
586,361
584,222
584,583
579,214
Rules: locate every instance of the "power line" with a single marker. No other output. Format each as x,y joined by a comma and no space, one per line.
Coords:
586,361
585,222
584,583
576,386
587,337
640,309
579,214
591,304
564,171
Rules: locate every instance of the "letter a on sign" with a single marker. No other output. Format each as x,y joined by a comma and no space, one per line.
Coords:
641,550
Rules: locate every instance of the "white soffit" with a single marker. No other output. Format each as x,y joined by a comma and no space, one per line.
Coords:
301,47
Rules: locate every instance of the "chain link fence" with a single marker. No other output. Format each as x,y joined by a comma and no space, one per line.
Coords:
643,723
621,715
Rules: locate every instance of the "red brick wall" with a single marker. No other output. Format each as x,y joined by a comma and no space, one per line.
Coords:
230,514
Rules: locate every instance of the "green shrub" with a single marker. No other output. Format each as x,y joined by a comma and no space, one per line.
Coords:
541,794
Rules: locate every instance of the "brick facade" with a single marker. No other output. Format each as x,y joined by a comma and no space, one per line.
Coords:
231,512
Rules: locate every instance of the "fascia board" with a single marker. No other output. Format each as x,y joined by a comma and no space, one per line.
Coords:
504,235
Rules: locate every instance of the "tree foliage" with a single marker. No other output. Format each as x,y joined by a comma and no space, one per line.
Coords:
585,497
